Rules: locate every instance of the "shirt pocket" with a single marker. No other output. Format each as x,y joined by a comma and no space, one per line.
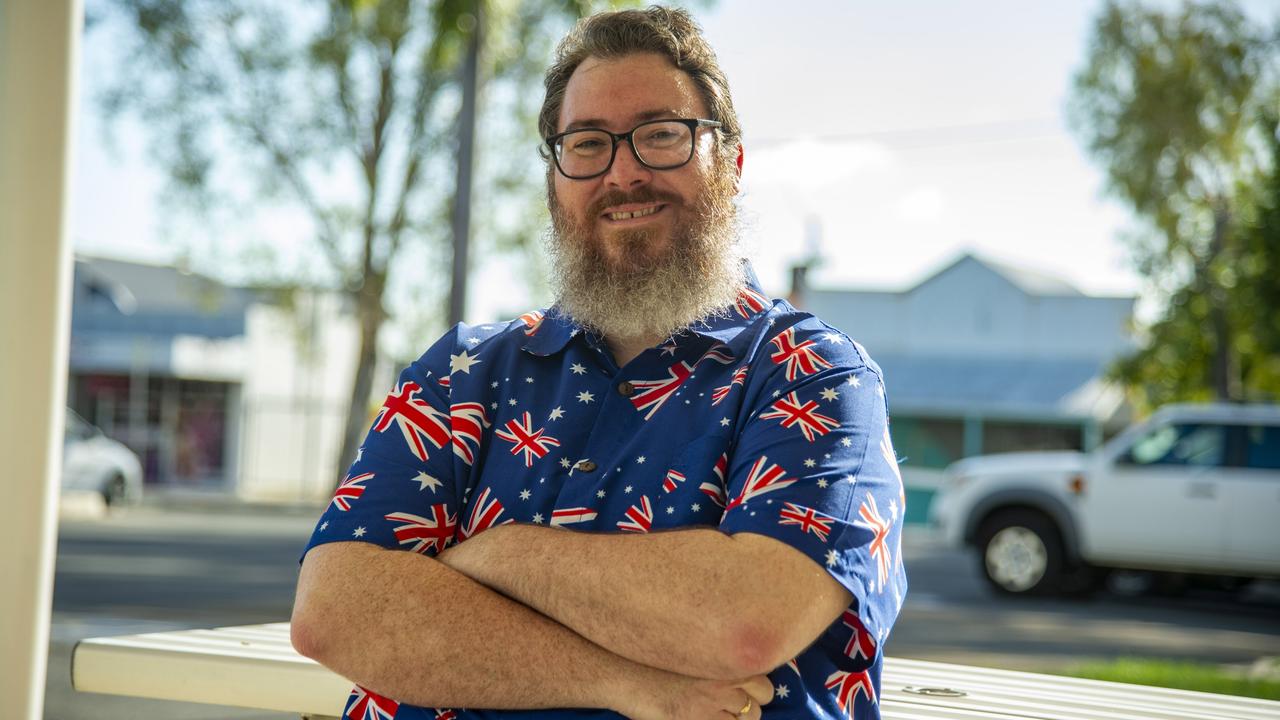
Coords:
693,489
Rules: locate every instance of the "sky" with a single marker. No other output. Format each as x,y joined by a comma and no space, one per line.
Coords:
883,138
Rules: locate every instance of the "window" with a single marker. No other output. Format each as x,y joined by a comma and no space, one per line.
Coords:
1262,446
1187,444
1003,436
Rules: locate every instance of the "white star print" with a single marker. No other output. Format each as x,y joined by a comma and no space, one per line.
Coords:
493,384
781,691
893,508
473,341
846,442
426,481
578,369
324,524
808,462
822,482
359,453
461,362
525,494
695,507
850,479
599,493
626,489
833,338
585,397
493,406
670,510
358,532
830,394
776,393
564,463
831,558
537,518
669,349
854,381
556,414
640,460
724,422
528,379
512,402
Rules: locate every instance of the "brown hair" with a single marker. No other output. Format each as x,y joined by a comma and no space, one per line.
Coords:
669,32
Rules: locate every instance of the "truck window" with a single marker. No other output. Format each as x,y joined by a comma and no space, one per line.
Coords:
1262,447
1186,444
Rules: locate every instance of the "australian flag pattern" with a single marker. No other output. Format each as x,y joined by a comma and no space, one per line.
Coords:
762,419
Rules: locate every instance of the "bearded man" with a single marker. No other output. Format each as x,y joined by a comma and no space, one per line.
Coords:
665,496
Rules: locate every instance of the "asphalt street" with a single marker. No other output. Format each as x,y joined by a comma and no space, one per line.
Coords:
149,570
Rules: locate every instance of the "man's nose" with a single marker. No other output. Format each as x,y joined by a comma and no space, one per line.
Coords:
627,172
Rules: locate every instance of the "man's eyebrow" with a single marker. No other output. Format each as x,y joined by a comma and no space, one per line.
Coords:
637,118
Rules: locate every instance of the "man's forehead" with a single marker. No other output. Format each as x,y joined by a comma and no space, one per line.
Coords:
627,90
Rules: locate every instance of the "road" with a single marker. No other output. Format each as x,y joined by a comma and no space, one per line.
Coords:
147,570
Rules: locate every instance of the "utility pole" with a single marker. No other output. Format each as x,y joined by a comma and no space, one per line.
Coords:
470,82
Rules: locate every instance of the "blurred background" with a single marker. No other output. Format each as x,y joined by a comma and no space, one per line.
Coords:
1044,221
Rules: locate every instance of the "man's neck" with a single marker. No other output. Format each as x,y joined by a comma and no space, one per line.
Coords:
626,349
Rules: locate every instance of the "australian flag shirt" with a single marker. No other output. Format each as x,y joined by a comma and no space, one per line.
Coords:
763,420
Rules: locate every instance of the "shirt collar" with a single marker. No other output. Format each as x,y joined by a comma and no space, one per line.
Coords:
556,329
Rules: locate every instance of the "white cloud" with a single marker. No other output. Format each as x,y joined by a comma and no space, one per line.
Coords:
921,205
808,165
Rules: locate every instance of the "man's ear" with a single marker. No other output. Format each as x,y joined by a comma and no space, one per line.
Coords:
738,174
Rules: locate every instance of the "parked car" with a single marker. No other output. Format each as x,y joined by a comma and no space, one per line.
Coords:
93,461
1195,489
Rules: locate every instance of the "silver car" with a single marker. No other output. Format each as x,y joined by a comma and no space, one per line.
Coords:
92,461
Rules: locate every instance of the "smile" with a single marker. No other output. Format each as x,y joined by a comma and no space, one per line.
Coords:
633,214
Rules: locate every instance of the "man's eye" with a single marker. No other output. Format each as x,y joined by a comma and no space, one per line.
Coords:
586,145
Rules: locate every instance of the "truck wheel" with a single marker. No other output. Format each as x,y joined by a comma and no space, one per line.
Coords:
115,492
1021,553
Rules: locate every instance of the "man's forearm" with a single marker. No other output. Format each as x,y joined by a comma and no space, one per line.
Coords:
696,601
409,628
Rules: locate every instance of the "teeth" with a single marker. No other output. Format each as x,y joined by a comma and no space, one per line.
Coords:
636,214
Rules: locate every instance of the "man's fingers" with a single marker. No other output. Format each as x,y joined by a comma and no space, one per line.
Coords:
759,688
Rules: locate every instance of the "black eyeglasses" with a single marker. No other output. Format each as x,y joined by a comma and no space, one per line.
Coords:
657,144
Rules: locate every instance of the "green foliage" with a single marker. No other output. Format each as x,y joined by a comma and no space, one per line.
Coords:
1174,105
1199,677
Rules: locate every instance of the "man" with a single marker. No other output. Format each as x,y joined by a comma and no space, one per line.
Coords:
664,497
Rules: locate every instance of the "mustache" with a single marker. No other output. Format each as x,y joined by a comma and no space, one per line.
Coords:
641,195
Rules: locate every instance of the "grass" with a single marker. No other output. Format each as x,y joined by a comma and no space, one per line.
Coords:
1178,675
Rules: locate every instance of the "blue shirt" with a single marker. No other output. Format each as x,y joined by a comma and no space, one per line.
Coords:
765,420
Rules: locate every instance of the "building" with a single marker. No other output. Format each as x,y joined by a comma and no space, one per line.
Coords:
983,357
220,390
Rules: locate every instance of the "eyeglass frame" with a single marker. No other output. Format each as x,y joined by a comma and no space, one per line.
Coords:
694,124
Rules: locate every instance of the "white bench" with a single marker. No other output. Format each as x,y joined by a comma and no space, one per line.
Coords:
255,667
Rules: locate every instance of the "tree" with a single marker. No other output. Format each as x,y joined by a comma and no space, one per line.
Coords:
351,111
1172,105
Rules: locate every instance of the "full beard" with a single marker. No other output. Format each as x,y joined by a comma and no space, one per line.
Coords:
640,295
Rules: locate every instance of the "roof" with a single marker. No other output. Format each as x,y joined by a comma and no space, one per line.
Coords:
1031,282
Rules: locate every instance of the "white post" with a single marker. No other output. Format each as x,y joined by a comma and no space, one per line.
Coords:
39,60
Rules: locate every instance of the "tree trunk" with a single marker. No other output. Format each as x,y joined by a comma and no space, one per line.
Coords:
470,85
1226,376
369,310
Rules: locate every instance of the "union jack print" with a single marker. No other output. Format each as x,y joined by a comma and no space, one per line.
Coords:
861,642
750,302
848,685
713,491
794,666
879,546
673,477
722,468
422,533
415,417
739,377
717,353
890,457
806,518
446,714
467,422
798,358
444,382
761,480
639,517
812,423
350,490
569,516
533,321
652,394
484,515
526,440
365,704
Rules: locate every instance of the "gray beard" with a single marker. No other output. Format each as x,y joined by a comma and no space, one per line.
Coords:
698,278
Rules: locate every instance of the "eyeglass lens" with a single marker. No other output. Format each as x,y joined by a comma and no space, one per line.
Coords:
659,145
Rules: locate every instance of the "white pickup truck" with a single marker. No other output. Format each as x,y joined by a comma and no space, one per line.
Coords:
1195,489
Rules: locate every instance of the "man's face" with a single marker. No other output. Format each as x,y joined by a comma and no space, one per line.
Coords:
618,94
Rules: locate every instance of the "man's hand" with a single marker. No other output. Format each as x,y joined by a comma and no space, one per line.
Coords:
667,696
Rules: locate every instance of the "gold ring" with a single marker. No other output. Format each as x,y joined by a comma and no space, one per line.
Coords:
745,708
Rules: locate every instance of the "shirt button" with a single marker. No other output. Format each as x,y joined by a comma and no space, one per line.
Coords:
586,466
626,389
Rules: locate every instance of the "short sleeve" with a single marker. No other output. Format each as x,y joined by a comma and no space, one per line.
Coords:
814,467
401,491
